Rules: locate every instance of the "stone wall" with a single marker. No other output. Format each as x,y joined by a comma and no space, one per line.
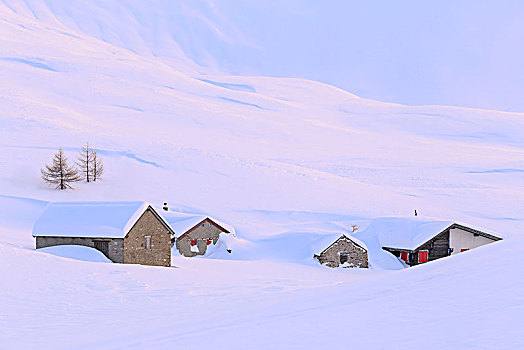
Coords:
115,245
135,250
204,232
357,256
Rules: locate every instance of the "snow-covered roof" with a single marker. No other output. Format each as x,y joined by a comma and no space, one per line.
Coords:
183,222
329,239
407,233
89,219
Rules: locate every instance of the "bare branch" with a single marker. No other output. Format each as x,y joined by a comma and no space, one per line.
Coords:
97,166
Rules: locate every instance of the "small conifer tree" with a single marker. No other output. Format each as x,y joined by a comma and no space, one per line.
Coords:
60,173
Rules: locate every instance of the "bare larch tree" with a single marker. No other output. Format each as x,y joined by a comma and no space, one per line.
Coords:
97,166
60,173
85,159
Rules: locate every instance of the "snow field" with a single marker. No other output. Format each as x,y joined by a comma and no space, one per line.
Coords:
286,161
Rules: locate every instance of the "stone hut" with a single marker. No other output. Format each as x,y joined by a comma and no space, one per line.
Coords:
346,251
125,232
196,234
419,240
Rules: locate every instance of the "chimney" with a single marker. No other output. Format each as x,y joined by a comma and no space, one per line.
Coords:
165,207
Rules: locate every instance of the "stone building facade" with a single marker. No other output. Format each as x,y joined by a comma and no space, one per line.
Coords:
196,240
148,242
145,238
344,251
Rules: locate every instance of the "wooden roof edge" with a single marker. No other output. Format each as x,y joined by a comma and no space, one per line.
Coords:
477,231
451,226
399,249
207,218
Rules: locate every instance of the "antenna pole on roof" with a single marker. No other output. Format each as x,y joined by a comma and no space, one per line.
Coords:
416,212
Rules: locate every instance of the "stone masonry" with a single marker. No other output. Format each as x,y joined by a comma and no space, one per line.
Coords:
356,255
159,252
115,246
205,231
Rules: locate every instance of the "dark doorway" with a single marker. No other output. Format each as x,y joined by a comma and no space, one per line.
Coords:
103,246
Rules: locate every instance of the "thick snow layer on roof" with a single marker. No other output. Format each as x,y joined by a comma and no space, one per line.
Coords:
88,219
405,233
328,239
76,252
183,222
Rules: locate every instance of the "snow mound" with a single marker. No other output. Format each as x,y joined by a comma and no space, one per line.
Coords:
77,253
227,245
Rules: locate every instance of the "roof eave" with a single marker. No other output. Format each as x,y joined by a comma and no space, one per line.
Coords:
200,223
451,226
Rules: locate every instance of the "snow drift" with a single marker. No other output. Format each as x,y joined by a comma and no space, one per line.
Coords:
286,161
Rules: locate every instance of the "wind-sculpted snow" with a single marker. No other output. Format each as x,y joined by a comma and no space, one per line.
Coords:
230,86
240,102
409,52
289,163
34,64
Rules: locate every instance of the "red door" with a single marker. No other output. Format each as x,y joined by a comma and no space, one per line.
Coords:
423,256
404,256
464,250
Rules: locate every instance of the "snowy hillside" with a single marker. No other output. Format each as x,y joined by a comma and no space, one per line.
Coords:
285,161
463,54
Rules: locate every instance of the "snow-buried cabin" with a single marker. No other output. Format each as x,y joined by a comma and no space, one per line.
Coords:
197,234
125,232
345,251
420,240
